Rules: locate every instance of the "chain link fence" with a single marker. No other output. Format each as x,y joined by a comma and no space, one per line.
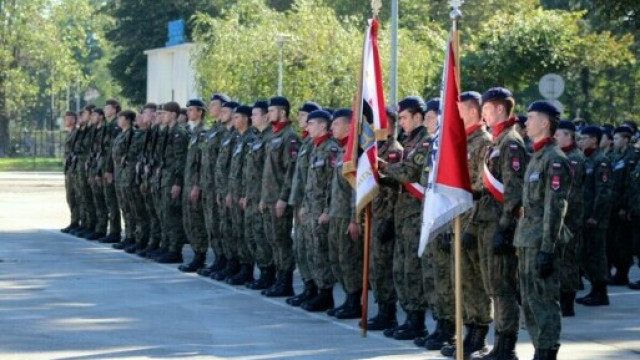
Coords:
37,143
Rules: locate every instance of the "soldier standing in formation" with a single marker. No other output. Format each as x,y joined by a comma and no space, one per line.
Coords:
111,109
94,174
70,121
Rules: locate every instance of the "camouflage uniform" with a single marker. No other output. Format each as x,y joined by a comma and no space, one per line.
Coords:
547,183
281,154
237,188
223,162
144,170
633,191
172,168
111,131
69,187
134,194
506,160
569,261
254,229
193,215
94,169
207,180
317,195
303,237
155,182
82,150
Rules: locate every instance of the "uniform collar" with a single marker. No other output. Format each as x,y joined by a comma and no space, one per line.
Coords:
321,139
343,142
473,128
502,127
566,149
539,145
277,127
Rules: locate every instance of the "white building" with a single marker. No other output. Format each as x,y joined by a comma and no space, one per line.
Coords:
170,75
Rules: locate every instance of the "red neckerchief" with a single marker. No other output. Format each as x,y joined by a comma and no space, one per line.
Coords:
319,140
500,128
343,142
568,148
277,127
537,146
588,152
473,128
305,134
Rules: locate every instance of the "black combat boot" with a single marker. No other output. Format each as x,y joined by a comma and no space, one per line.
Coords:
82,233
196,263
68,229
266,280
385,319
566,303
547,354
218,264
390,331
332,311
444,337
450,349
170,257
283,286
352,308
244,276
415,328
474,342
321,302
422,341
123,244
310,291
112,238
95,236
508,349
147,250
599,298
495,351
230,270
76,230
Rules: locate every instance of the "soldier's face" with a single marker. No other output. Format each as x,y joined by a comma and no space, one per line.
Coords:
214,108
240,121
274,114
431,121
194,113
316,128
109,111
340,127
409,121
94,118
69,121
302,118
225,115
258,118
469,113
605,142
167,117
490,114
537,124
123,123
619,141
563,137
588,142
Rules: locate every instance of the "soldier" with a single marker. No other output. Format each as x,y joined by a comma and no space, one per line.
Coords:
192,211
633,189
254,227
172,181
81,150
597,207
407,172
569,261
111,109
383,237
547,184
503,172
94,175
303,239
476,301
315,208
619,246
606,143
282,151
70,120
223,162
207,176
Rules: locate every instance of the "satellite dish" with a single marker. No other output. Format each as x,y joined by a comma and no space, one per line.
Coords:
551,86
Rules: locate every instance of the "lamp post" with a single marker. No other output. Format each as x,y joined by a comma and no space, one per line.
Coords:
280,40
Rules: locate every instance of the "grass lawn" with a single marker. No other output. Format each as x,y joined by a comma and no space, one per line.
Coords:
30,164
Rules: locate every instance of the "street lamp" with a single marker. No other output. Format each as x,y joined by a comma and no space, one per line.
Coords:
280,40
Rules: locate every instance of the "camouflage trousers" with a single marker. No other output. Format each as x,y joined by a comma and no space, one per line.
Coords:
319,253
155,231
569,263
476,303
111,199
99,203
172,227
157,200
345,256
278,233
499,276
540,301
444,297
381,267
245,256
140,214
594,255
212,220
620,244
428,278
122,190
302,246
407,267
254,235
70,192
193,222
84,199
226,231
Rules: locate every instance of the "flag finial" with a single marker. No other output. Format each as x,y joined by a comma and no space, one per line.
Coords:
455,12
376,5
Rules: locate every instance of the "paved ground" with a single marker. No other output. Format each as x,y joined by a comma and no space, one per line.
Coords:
64,298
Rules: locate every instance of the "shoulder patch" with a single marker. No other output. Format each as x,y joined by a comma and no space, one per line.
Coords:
513,146
557,165
555,182
515,163
426,144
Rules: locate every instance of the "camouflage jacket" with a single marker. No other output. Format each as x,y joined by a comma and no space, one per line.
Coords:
242,146
622,164
300,173
111,131
175,156
575,207
254,166
69,144
382,205
633,191
123,154
506,160
223,162
156,153
317,192
597,188
477,143
282,152
194,155
547,183
343,202
82,147
97,157
210,152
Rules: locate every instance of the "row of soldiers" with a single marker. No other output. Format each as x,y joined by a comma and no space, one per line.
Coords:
241,185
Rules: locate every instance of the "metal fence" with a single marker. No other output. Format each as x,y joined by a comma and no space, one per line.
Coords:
37,143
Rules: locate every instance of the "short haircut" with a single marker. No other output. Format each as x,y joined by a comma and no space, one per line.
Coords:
114,103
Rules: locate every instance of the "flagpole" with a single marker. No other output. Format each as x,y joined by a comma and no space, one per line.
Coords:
457,228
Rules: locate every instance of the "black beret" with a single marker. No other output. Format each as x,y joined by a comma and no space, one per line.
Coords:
171,106
412,103
309,106
593,131
631,125
231,104
261,104
471,95
623,130
279,101
433,105
545,107
345,112
606,131
243,109
497,93
195,102
522,119
392,114
567,125
223,98
329,110
319,114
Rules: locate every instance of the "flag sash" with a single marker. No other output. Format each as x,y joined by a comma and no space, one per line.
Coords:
493,185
